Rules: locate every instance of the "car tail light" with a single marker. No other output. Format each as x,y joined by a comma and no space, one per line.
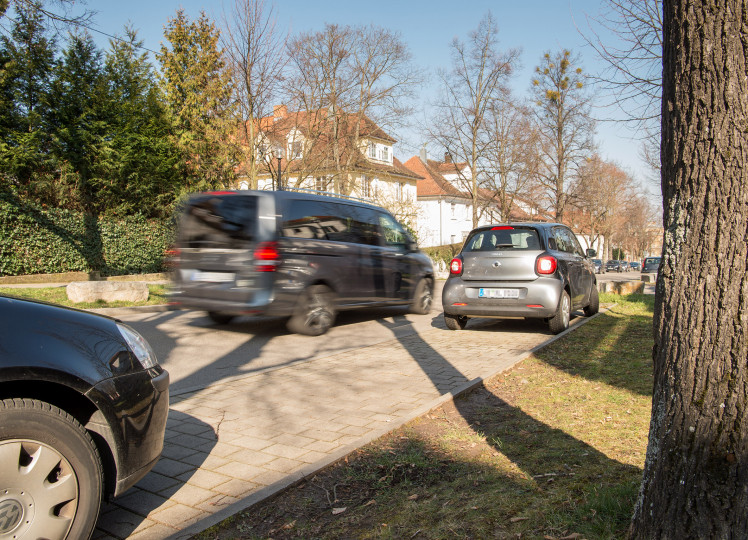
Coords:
455,267
171,257
546,265
267,257
503,228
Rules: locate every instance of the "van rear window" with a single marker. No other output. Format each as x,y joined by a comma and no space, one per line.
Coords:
218,221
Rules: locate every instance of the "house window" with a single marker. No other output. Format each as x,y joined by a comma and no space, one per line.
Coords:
367,187
261,151
400,190
321,183
295,149
453,210
384,153
372,150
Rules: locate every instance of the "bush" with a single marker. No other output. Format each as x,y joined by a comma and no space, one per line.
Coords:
47,241
442,254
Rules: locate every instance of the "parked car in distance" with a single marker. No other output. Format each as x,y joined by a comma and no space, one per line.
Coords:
83,408
623,266
294,254
613,265
651,265
531,270
635,266
598,265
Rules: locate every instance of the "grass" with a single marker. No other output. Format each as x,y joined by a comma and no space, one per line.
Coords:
553,448
58,295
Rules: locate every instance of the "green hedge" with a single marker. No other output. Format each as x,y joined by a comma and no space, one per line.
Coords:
443,254
49,241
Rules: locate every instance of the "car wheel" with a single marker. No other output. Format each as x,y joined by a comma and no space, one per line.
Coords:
594,305
560,321
51,473
423,298
314,313
220,318
455,322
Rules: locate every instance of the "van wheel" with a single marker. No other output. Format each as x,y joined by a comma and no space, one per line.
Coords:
220,318
455,322
560,321
423,298
51,473
314,313
594,305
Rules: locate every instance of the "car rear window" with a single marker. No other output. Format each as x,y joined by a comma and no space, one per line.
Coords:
218,221
503,239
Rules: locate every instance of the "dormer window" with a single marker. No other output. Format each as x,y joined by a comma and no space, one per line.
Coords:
384,153
295,150
372,150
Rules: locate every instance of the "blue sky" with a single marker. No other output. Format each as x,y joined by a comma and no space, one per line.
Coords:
428,27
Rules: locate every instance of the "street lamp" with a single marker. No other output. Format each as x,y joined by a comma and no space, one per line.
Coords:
280,182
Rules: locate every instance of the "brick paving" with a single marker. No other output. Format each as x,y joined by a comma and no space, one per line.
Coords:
234,443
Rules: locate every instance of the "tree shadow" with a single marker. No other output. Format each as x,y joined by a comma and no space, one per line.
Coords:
187,444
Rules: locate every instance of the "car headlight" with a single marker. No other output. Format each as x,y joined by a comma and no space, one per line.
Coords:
139,346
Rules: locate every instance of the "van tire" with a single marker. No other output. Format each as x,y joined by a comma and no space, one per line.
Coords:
423,298
220,318
314,313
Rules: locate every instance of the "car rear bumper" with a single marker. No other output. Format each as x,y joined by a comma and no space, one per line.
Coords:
537,299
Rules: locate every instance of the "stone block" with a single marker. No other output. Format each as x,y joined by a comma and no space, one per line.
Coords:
621,287
108,291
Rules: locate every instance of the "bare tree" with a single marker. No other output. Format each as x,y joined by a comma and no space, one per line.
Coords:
512,154
256,55
356,82
627,36
473,87
696,467
60,15
564,122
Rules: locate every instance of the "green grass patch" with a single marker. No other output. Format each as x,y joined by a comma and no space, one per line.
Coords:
157,295
553,448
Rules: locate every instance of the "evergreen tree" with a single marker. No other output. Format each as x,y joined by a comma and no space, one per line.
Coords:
143,164
27,57
198,91
78,117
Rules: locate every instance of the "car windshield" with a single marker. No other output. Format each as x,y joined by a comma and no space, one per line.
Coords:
500,238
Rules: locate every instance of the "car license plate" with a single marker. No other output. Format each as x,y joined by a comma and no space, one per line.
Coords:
213,277
498,293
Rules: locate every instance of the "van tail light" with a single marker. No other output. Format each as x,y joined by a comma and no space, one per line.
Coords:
171,257
267,257
546,265
455,267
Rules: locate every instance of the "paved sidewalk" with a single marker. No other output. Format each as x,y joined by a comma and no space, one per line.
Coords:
235,443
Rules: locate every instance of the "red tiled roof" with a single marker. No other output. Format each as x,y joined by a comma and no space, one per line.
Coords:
432,183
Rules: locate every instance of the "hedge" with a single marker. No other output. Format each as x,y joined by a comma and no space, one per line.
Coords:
49,241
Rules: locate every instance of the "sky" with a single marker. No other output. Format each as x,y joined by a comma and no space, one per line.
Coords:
428,27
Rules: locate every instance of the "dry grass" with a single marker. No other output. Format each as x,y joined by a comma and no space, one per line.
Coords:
552,449
58,295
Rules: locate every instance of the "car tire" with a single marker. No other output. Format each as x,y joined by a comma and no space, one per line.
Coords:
594,306
220,318
560,321
315,312
423,298
455,322
51,473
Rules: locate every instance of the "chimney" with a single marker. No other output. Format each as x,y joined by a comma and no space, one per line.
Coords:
447,157
424,156
279,111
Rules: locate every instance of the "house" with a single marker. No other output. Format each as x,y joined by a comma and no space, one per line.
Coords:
336,153
445,212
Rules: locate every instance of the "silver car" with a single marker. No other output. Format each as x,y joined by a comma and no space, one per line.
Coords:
532,270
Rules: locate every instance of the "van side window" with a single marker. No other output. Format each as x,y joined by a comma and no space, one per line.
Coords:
330,221
393,233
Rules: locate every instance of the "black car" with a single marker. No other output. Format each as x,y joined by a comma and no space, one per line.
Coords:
294,254
531,270
613,266
598,265
651,265
83,408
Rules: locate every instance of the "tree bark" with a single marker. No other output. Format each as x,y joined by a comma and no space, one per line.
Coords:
695,482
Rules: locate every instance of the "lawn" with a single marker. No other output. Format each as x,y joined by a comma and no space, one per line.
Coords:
552,449
58,295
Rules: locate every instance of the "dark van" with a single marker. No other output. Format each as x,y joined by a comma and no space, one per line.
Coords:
294,254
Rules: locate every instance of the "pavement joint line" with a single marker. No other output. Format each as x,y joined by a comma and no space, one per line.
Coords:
310,470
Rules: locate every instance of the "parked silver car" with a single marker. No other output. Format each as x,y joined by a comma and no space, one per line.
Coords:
532,270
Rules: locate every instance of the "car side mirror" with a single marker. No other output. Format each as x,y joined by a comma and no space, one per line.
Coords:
591,253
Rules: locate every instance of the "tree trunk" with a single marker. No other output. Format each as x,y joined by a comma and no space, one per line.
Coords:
695,482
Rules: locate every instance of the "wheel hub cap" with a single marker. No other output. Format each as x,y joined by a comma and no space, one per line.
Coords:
16,512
